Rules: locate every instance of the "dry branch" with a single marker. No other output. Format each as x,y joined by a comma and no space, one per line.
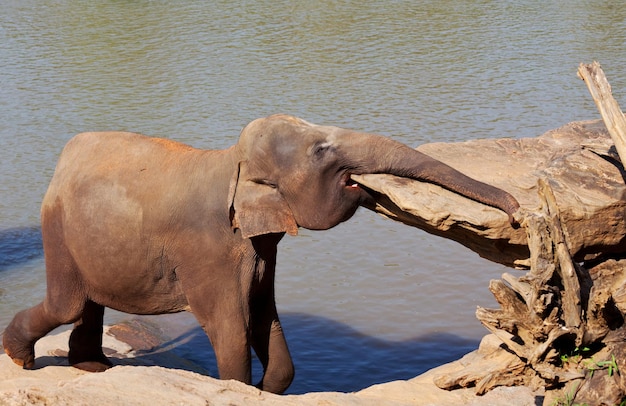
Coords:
600,90
566,268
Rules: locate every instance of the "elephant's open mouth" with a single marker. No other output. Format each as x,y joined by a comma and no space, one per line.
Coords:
349,182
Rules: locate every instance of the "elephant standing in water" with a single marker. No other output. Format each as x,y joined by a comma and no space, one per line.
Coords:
151,226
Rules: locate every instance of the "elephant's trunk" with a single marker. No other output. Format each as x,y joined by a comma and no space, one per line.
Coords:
377,154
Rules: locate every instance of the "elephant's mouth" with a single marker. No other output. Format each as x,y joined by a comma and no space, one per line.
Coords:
349,182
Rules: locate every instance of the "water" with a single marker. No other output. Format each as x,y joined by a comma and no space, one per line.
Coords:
368,301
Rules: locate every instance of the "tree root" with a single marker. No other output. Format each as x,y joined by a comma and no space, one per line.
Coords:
561,326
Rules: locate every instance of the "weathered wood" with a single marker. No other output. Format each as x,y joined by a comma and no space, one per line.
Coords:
600,90
550,314
521,287
578,159
492,364
566,267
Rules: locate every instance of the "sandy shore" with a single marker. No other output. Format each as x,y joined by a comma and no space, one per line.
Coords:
144,377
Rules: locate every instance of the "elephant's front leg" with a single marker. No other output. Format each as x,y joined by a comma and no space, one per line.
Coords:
232,349
270,346
223,320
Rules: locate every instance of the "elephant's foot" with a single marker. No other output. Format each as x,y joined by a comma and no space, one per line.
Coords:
93,366
94,361
18,349
86,342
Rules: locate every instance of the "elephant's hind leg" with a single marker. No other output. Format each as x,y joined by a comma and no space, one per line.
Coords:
25,329
59,307
86,340
64,302
30,325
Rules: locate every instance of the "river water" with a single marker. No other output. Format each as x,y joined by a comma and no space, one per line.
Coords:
370,300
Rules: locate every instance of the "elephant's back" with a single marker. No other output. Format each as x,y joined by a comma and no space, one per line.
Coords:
98,154
97,162
118,147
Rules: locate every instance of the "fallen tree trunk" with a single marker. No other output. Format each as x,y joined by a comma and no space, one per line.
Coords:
578,158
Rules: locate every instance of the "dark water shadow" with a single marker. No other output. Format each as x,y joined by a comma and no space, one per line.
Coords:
332,356
19,245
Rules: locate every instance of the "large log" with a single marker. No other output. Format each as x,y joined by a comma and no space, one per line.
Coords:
583,169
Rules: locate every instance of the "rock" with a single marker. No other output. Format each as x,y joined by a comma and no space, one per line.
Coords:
579,162
148,375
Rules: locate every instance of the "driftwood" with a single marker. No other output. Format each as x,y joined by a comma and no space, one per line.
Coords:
578,158
561,327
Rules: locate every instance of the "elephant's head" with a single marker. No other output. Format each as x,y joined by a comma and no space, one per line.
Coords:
294,174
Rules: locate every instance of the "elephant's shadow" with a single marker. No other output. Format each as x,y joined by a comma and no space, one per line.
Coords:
332,356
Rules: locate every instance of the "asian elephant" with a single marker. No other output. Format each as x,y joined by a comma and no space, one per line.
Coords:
151,226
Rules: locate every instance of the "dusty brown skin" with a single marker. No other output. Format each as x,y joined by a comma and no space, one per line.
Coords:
150,226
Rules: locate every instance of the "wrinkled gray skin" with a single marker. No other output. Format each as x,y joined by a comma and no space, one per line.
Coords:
150,226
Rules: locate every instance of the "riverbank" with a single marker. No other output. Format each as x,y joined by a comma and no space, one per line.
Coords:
145,375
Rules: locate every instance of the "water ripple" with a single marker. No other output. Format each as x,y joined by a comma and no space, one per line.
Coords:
19,245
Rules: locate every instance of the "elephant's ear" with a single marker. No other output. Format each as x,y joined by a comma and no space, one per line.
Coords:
257,207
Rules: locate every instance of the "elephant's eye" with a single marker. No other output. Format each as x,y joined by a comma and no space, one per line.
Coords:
321,149
265,182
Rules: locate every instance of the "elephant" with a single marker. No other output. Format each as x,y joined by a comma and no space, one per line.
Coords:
152,226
